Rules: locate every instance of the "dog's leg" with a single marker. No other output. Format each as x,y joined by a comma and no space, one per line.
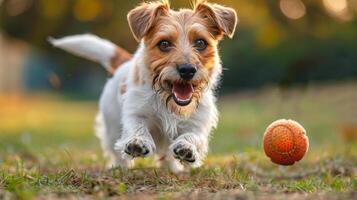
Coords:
115,160
136,140
168,161
191,145
190,148
175,165
107,134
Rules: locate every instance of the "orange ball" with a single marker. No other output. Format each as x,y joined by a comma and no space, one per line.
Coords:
285,142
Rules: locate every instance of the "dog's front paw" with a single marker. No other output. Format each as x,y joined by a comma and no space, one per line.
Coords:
138,148
184,152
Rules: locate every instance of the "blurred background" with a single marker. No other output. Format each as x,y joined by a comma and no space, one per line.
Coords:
289,59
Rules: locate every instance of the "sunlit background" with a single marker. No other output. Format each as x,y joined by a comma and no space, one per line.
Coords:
289,59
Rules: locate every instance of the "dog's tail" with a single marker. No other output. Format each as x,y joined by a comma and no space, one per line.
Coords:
95,49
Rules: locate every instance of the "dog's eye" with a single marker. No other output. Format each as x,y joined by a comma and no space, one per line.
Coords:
200,44
164,45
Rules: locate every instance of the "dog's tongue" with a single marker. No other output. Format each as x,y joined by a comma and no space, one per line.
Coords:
182,91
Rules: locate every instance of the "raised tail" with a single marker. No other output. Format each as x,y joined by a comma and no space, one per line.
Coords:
95,49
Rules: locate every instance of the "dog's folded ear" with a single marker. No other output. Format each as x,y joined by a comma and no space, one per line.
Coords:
224,18
142,18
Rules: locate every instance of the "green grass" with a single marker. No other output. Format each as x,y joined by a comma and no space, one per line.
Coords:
48,150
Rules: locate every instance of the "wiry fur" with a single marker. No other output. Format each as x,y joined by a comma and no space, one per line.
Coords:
138,116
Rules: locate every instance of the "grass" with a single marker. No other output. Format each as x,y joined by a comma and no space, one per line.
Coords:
48,150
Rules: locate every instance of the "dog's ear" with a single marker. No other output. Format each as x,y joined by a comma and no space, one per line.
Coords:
142,18
224,18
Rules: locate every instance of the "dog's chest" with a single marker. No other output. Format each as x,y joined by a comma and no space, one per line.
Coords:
164,122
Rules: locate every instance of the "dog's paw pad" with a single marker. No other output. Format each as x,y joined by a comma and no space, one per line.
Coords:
137,148
184,153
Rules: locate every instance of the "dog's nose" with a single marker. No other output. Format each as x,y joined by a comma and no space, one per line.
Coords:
186,71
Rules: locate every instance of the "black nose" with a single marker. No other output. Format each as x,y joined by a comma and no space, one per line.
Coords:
187,71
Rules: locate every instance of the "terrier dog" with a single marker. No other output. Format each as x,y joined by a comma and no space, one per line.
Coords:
160,101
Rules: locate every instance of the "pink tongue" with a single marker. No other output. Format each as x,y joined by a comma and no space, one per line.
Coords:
183,91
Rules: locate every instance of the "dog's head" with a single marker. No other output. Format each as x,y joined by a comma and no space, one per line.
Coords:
181,49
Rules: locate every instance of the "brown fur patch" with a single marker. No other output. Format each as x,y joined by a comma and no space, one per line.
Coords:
137,76
123,87
142,18
121,56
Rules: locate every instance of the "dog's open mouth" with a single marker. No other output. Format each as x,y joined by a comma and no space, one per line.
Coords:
182,93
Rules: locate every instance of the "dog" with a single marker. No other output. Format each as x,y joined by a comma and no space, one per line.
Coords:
161,100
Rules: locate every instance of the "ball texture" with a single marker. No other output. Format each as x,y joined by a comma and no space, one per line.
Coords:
285,142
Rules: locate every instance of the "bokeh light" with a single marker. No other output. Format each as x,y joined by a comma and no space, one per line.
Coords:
335,5
293,9
87,10
17,7
338,9
53,10
353,4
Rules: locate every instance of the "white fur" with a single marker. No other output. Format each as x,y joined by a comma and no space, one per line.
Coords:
87,46
139,116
